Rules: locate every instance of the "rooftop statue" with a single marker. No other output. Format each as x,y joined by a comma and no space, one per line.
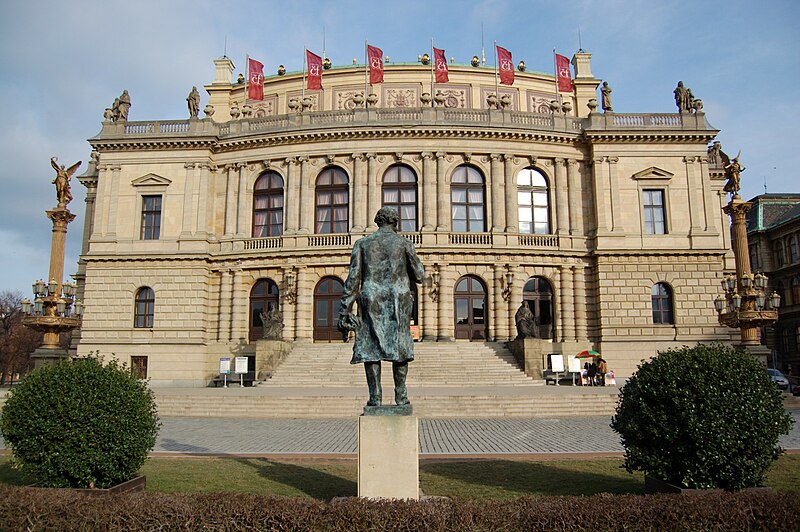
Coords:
683,98
606,101
63,175
732,171
194,103
119,111
383,267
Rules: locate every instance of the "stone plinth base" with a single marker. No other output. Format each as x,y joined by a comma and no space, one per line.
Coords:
270,353
47,357
388,456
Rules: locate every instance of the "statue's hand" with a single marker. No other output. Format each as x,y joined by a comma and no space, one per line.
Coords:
348,322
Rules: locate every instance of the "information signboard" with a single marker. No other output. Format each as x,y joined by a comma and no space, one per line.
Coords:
240,365
225,365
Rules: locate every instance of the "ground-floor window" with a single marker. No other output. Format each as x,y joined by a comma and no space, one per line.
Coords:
139,366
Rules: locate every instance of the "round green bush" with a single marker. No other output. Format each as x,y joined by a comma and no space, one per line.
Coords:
702,417
80,424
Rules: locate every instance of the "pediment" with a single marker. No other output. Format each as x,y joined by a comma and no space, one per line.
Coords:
151,180
653,172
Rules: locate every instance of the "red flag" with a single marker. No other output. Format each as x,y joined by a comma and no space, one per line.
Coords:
314,71
375,58
255,91
505,66
563,74
441,66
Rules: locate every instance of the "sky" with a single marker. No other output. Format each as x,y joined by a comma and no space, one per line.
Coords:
62,63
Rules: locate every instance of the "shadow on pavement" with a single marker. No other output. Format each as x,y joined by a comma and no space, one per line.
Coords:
311,481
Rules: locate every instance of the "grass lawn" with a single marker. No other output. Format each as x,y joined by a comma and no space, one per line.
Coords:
477,479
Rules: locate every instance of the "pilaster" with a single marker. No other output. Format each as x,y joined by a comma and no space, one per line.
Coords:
442,195
359,193
567,298
188,196
230,201
511,202
292,206
575,198
498,209
373,190
562,203
306,197
242,196
429,199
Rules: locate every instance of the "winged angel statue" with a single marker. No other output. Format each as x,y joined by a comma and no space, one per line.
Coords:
63,175
732,171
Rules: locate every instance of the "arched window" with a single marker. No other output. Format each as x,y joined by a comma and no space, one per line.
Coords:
268,205
662,304
537,295
467,200
144,308
332,199
400,192
532,197
263,298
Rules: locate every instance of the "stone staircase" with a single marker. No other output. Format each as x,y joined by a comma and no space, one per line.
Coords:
446,380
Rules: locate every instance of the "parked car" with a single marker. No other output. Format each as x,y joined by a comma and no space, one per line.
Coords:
778,378
796,390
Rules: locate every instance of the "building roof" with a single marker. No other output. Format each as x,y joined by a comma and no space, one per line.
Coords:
772,210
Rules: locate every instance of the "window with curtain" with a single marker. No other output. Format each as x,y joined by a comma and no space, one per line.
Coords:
400,193
468,200
533,202
662,304
144,307
654,215
332,201
268,205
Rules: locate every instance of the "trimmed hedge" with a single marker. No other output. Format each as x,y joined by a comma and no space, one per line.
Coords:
707,416
80,424
43,509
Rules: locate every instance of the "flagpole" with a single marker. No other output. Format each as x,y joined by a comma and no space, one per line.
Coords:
555,70
483,52
366,71
433,66
247,77
496,73
323,43
303,89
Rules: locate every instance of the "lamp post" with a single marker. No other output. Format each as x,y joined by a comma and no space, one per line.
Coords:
746,303
54,309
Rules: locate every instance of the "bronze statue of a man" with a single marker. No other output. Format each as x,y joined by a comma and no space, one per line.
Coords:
383,267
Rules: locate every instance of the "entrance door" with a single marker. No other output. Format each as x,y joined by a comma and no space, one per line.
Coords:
470,309
263,298
327,297
538,295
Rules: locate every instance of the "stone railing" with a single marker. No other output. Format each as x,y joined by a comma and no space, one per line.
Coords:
640,120
415,238
471,239
333,240
538,241
274,242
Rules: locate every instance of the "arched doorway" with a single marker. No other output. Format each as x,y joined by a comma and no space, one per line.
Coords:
263,298
327,297
469,299
538,296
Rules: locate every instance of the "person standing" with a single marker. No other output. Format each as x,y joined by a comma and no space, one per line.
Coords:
602,369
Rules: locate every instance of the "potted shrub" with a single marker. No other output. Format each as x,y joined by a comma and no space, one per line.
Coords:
80,424
701,417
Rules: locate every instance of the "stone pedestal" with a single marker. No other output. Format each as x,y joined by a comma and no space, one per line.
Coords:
269,354
43,357
388,454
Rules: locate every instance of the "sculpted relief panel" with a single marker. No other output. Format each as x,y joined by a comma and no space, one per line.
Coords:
401,96
267,107
452,96
539,102
348,97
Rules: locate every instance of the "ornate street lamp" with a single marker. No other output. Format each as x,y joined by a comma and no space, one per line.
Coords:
748,305
52,303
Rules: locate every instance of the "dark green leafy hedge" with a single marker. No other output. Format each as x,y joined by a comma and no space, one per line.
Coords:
80,424
41,509
702,417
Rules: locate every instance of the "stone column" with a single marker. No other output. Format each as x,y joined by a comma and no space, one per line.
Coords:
737,210
239,307
204,196
511,203
373,190
558,301
225,291
230,201
579,282
442,196
428,193
242,212
304,309
696,208
359,193
575,198
498,209
498,325
445,307
291,207
307,192
430,322
188,196
113,203
562,203
567,299
615,214
514,300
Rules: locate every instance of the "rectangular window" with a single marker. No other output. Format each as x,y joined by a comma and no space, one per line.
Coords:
139,366
151,217
654,213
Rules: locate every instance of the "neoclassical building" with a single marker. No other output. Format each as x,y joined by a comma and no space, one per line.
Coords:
607,225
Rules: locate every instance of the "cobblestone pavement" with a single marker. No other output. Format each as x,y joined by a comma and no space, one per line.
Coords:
437,436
